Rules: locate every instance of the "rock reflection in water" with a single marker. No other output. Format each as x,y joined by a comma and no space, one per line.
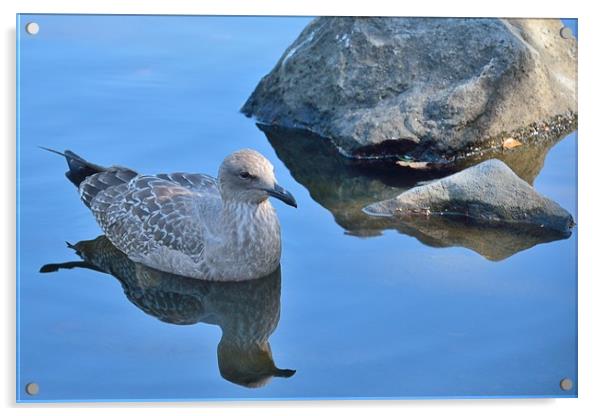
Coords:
247,311
345,186
340,185
492,242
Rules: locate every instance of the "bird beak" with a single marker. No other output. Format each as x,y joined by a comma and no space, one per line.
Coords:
283,195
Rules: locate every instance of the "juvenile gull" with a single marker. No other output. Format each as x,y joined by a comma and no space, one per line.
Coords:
189,224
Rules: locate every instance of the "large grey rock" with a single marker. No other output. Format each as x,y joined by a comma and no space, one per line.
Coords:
426,89
488,193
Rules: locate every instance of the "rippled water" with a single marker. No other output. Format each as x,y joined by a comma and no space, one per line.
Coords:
359,309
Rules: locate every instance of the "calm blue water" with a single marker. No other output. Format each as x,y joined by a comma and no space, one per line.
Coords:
360,317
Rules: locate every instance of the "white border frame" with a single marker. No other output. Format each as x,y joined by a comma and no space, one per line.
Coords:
590,271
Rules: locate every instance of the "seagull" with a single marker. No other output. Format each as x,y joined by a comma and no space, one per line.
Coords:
189,224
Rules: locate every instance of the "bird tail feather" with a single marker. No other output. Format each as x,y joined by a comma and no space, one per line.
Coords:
79,168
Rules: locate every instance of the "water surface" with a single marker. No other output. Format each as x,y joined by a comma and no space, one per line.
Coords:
376,314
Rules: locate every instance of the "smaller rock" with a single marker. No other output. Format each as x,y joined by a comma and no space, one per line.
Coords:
489,193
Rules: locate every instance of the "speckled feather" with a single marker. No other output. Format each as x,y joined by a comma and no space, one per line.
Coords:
143,215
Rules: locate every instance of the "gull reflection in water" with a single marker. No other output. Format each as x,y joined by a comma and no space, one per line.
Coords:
247,312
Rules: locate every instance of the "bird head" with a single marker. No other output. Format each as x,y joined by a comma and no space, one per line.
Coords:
247,176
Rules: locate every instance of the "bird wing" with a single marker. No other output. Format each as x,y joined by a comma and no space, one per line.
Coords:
158,221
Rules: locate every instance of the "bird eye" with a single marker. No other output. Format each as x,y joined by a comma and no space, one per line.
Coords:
245,175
